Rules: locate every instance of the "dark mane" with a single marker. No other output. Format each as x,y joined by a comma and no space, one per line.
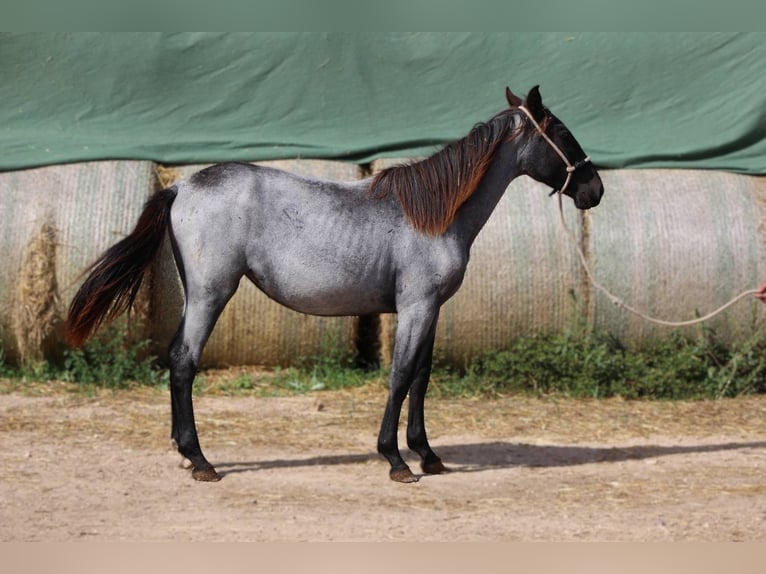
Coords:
432,190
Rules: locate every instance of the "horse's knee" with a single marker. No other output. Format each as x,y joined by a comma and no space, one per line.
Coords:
179,351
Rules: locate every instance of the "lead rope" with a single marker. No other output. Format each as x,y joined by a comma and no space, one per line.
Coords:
583,261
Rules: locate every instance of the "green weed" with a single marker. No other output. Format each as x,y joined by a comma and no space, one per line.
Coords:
109,360
330,369
597,365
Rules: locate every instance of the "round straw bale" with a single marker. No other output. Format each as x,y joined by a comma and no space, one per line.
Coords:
253,329
678,244
72,213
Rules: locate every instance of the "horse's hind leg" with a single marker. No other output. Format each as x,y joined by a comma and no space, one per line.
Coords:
203,307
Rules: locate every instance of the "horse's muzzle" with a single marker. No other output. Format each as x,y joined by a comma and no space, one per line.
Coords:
588,197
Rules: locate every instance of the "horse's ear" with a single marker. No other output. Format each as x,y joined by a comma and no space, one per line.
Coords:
513,100
535,104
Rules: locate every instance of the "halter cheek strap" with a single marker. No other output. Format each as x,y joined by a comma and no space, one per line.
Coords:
571,168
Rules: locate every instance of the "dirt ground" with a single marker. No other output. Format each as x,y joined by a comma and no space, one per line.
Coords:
99,467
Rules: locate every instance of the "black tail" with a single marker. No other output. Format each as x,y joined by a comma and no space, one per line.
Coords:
114,279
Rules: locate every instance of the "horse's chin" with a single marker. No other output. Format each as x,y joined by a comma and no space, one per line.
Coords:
585,204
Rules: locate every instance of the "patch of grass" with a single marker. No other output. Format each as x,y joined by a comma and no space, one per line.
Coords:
278,381
321,377
331,368
109,360
597,365
574,363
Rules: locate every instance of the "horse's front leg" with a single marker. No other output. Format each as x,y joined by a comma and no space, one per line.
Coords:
417,439
413,349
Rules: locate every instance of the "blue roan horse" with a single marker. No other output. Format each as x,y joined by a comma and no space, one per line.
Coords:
397,242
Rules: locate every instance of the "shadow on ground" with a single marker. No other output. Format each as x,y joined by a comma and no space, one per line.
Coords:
500,454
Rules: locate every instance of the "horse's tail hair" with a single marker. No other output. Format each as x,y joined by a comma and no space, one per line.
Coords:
115,278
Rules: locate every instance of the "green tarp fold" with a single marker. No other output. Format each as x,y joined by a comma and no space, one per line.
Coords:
633,100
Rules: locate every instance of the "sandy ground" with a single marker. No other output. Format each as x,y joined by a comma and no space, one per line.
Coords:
76,467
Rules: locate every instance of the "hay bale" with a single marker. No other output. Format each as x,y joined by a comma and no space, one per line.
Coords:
253,329
35,313
520,279
71,213
677,244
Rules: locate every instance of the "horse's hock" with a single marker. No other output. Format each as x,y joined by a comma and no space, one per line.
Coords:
673,243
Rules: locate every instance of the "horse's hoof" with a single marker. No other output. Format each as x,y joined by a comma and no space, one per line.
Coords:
435,467
206,475
403,475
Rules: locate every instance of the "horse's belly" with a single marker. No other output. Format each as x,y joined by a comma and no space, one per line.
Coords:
324,291
325,262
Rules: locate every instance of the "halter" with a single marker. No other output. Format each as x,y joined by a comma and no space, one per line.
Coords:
571,168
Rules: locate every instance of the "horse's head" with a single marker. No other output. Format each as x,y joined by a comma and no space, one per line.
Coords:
551,154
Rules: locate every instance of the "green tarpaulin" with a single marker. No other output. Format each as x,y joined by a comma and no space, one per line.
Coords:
633,100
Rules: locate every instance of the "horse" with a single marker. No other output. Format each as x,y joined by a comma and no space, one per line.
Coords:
396,242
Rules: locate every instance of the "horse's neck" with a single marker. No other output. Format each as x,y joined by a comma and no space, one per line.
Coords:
475,212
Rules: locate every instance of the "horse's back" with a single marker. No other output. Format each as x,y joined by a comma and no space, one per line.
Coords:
228,182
